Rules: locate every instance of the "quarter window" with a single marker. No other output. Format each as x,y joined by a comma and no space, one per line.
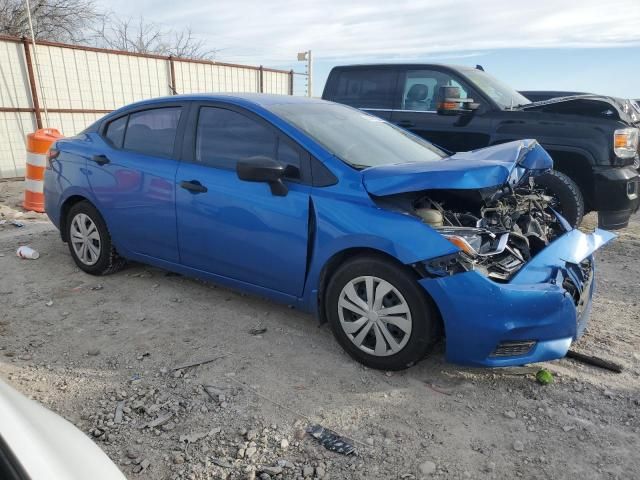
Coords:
115,131
366,88
153,132
421,89
223,137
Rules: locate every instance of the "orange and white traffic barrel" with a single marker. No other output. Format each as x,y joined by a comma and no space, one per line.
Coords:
38,144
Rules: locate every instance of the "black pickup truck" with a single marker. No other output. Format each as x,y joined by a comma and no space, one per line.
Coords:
592,139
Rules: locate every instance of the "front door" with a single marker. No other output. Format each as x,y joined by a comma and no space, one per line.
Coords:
417,112
234,228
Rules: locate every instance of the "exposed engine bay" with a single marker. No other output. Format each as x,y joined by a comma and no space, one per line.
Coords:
497,229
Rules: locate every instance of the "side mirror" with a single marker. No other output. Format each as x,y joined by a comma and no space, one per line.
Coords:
263,169
448,102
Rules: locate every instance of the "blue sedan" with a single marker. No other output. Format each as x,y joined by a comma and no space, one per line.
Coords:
392,241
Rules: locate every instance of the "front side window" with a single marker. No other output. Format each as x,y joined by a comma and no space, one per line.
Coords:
366,88
223,137
114,132
421,89
153,132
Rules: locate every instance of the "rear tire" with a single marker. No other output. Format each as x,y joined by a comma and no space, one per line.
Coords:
390,329
570,203
89,241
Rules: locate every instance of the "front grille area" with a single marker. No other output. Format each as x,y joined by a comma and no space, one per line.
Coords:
513,348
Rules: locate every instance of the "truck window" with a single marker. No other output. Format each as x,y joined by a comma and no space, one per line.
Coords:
421,89
366,88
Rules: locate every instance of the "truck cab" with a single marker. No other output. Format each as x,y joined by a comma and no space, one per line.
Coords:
592,139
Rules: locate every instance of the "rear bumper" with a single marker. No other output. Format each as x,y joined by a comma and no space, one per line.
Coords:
617,195
547,305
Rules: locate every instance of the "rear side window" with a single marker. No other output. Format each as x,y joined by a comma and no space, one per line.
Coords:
366,88
223,137
115,131
153,132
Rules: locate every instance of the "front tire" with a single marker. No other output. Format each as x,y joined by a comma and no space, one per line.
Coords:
89,241
380,314
570,202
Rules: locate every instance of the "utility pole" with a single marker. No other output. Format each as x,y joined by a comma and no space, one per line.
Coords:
302,56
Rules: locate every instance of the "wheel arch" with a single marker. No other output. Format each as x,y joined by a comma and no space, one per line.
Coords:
64,212
339,258
576,164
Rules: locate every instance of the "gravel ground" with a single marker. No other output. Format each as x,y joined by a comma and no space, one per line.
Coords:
106,353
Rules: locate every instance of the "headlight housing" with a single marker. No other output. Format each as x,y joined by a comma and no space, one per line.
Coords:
625,142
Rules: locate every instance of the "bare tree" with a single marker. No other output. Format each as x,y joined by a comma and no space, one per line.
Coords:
138,35
57,20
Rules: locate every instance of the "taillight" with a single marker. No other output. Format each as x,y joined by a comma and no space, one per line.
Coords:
52,154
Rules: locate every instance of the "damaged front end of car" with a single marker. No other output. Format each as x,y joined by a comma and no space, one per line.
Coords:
518,288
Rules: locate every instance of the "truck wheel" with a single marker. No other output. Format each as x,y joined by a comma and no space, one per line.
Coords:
567,195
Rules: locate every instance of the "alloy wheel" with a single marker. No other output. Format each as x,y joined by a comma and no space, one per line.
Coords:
85,239
375,316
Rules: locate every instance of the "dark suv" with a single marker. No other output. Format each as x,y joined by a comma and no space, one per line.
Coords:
592,139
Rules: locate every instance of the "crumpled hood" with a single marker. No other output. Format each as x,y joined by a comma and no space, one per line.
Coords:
589,105
484,168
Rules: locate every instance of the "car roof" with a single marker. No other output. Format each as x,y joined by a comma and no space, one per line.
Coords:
264,100
403,65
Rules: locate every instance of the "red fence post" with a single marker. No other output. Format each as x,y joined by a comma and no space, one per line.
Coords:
32,82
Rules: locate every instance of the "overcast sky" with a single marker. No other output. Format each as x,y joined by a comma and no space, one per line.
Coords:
591,45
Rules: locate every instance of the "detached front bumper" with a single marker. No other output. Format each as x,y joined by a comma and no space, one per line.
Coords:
532,318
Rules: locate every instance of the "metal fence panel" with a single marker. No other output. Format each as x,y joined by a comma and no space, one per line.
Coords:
78,85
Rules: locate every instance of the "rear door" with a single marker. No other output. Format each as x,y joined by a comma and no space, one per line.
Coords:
234,228
370,89
133,179
418,111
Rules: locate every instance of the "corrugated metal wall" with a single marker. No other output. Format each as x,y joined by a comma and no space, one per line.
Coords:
80,84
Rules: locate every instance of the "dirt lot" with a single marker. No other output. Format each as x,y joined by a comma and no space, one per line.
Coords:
86,347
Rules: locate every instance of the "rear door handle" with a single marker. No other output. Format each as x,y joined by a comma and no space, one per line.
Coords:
100,159
406,124
194,186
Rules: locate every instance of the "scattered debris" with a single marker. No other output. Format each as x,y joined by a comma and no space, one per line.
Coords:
331,440
97,287
92,352
544,377
49,303
160,420
117,416
595,361
17,224
437,388
198,363
193,437
27,252
258,330
221,462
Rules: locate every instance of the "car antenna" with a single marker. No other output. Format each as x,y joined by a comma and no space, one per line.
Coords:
479,67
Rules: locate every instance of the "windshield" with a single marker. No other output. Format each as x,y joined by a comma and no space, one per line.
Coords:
505,96
355,137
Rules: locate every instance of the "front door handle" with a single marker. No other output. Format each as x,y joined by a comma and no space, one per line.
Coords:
100,159
194,186
406,124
